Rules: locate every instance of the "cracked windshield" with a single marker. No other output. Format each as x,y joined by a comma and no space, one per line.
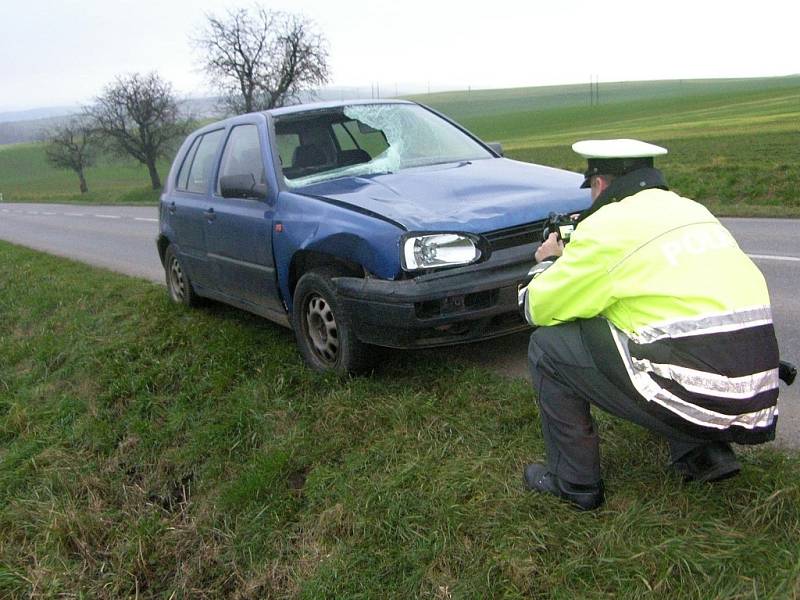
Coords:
367,139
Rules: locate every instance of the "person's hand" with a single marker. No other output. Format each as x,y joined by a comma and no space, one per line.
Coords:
552,246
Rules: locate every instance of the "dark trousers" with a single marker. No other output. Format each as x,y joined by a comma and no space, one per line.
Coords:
563,361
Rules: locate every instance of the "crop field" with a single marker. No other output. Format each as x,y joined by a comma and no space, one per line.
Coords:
152,451
734,144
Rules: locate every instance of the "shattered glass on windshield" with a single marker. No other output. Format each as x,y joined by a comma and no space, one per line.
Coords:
368,139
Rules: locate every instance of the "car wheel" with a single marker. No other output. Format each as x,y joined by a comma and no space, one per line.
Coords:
178,283
323,327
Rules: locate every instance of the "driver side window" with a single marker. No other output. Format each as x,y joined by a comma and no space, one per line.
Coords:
243,160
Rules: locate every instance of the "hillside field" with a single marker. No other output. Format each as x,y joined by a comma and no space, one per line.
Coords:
734,144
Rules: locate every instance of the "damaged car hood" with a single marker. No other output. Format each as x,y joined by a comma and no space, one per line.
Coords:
472,196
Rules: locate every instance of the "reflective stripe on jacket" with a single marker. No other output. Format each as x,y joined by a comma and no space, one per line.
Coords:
688,311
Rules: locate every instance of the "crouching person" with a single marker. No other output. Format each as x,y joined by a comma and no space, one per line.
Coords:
653,314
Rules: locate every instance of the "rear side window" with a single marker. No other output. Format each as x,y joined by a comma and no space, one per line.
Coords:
344,139
367,138
242,155
287,144
202,163
183,174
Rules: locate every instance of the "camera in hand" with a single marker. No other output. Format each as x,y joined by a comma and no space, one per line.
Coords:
787,372
561,224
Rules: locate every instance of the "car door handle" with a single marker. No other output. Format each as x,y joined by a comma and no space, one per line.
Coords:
171,208
210,214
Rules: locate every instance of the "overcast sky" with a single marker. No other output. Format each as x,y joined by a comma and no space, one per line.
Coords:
63,52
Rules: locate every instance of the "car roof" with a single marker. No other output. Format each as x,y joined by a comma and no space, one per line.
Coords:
295,109
314,106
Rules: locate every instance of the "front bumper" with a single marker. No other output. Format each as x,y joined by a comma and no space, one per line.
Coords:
436,309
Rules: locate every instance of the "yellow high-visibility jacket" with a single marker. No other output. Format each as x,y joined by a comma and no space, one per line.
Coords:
688,311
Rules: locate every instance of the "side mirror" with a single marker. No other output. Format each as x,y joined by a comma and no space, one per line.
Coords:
242,186
497,147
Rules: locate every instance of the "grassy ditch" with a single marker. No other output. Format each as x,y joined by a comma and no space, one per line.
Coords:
148,450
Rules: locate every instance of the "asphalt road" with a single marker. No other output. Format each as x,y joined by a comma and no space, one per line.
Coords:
119,238
122,238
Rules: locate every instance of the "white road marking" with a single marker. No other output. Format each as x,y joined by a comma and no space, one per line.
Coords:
31,212
771,257
107,216
74,214
145,219
50,214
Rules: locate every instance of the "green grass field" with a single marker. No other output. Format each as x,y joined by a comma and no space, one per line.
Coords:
151,451
25,176
734,144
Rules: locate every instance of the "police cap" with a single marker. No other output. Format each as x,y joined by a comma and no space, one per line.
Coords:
615,157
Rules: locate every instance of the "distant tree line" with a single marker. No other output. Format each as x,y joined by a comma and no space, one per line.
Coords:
257,59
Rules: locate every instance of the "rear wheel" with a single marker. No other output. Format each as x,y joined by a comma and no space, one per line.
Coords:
178,283
323,327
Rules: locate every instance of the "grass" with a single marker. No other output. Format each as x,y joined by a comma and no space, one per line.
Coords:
26,176
734,143
153,451
734,175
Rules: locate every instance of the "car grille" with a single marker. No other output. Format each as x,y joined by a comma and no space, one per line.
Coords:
519,235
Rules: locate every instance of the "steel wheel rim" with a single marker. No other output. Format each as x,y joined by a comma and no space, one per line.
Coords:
177,285
321,329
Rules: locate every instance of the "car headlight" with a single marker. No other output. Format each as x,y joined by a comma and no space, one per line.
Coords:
429,251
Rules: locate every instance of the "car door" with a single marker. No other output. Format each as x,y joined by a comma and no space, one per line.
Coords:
188,203
238,223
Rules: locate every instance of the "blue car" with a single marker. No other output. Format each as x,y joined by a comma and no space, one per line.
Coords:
357,224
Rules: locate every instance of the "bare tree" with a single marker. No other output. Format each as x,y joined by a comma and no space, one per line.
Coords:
139,115
262,59
72,146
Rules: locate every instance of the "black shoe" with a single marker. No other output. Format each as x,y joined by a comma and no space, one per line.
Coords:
537,478
713,462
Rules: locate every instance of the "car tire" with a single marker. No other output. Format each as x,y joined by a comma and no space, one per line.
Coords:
323,328
179,285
